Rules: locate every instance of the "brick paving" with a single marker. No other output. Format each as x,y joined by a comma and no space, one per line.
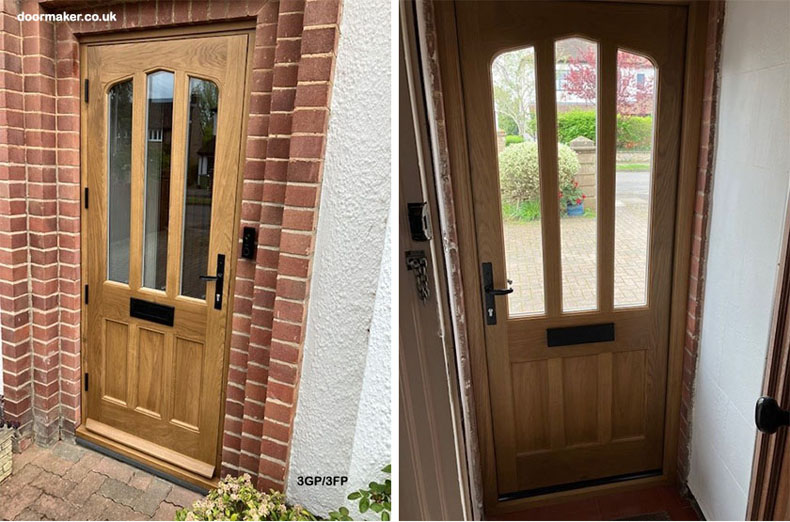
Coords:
524,258
68,482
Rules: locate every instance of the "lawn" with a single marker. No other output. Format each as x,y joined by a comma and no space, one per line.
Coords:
633,167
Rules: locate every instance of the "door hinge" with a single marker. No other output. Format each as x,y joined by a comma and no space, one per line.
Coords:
86,382
86,197
87,83
86,294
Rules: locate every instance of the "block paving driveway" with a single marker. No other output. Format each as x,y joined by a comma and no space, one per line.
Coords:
524,253
68,482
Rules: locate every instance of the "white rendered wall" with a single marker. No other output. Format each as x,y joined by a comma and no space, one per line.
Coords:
750,186
343,418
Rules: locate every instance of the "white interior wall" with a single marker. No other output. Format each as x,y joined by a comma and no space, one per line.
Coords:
750,187
343,419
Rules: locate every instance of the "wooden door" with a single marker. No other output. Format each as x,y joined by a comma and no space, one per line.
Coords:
163,123
577,344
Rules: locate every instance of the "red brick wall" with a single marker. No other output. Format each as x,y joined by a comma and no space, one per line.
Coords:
293,62
699,245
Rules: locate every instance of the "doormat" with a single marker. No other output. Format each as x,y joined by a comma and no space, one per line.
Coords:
661,515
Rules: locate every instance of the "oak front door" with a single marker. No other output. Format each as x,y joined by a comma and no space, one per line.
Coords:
162,124
573,123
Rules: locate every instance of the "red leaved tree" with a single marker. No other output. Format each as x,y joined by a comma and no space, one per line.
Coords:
634,95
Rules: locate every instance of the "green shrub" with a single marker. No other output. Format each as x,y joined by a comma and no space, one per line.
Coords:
237,499
518,171
377,498
510,140
633,132
507,124
575,123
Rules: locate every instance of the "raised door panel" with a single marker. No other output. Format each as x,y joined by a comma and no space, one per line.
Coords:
115,371
187,379
150,355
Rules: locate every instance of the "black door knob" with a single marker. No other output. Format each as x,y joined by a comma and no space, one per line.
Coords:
768,416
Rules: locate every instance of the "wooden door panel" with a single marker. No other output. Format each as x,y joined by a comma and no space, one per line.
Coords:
159,384
567,414
149,363
115,371
533,399
628,394
187,387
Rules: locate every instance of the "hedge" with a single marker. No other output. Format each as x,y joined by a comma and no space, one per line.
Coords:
633,132
518,171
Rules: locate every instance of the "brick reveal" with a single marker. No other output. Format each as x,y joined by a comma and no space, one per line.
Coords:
40,287
699,242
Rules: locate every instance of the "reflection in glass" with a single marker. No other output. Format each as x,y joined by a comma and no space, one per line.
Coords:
199,180
636,100
577,102
513,75
159,123
119,169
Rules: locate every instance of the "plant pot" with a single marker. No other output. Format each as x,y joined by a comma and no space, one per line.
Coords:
5,452
575,210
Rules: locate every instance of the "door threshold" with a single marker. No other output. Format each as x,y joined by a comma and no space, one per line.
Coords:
513,503
145,462
548,490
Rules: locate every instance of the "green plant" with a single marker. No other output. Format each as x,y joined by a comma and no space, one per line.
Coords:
507,124
524,211
237,499
518,171
633,132
376,498
571,194
510,140
575,123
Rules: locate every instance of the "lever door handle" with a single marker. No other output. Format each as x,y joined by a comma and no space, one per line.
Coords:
489,305
500,291
768,416
220,280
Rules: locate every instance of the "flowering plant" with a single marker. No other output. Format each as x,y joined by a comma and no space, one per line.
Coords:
237,499
571,194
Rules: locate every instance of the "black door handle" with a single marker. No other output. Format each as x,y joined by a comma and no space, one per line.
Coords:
489,301
500,291
220,280
768,416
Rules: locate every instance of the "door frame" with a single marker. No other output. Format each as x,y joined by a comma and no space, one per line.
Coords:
691,114
770,449
175,33
417,174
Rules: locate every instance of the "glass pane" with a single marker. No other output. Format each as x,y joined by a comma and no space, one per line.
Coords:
513,76
636,101
159,122
199,180
577,102
119,170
